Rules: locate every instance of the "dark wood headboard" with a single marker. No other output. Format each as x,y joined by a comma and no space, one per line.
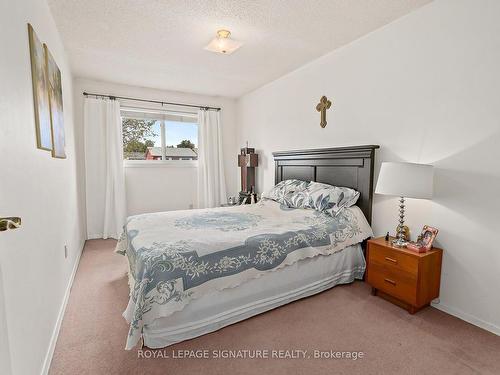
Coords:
341,166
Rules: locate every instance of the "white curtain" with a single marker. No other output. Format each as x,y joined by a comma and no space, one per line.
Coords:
211,182
105,182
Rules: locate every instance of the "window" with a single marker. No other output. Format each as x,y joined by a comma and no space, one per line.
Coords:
159,136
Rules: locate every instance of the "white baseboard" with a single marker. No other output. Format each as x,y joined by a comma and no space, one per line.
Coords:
467,317
62,310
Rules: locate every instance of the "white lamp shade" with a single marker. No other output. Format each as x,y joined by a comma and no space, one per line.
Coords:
407,180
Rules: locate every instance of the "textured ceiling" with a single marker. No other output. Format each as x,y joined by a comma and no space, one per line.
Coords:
159,43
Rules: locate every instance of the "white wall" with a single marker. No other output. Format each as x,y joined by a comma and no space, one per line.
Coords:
164,186
426,88
42,190
167,188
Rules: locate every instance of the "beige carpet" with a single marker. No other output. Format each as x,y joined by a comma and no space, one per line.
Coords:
345,318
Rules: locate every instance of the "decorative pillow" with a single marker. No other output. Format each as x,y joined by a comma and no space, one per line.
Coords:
329,199
295,199
285,187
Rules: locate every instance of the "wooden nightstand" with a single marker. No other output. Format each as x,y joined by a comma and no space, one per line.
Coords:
410,280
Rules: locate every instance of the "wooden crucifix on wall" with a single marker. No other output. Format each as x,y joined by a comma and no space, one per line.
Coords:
322,106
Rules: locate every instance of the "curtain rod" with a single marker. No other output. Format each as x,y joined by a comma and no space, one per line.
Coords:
152,101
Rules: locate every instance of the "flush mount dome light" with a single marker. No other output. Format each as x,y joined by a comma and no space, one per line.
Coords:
222,43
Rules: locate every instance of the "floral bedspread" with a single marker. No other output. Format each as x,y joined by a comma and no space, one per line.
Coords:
177,256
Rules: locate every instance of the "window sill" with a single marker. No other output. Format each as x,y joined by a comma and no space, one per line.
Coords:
160,163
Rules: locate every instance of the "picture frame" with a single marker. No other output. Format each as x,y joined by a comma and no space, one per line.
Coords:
47,98
40,92
54,85
424,241
427,237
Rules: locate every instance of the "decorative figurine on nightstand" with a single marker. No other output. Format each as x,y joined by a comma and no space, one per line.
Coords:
253,196
247,161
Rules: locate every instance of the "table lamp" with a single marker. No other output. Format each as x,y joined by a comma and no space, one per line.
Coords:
405,180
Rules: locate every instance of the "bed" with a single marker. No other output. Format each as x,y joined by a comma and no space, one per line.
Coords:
196,271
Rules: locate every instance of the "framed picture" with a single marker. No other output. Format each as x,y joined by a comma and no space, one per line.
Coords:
427,237
40,92
56,105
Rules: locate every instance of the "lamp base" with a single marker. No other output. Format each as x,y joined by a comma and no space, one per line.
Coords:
400,240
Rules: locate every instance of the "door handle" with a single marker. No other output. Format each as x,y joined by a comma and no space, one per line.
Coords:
9,223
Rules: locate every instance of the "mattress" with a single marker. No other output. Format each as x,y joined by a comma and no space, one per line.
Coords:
218,309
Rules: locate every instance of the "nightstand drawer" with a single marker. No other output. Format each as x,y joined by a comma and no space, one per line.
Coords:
393,281
391,258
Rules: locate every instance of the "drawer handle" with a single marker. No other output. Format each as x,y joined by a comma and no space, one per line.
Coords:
391,260
390,281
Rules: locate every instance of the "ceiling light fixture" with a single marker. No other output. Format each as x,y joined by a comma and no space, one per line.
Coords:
222,43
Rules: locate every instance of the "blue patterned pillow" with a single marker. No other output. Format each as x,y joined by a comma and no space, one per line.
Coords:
284,188
295,199
329,199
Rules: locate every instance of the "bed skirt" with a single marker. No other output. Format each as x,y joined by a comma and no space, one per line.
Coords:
220,309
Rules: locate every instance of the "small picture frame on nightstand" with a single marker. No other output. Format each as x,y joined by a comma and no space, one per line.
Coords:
427,236
424,241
